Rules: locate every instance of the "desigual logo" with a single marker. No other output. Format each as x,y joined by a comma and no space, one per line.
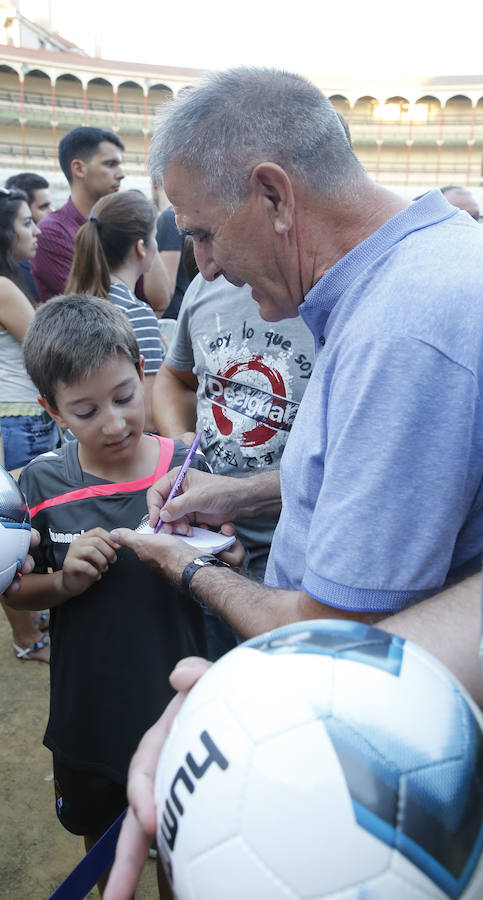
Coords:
231,399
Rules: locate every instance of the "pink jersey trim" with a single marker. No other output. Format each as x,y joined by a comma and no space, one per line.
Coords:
166,450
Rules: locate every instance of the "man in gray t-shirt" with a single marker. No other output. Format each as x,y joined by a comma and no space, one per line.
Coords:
240,380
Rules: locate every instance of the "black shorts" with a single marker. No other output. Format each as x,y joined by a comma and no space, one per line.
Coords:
86,804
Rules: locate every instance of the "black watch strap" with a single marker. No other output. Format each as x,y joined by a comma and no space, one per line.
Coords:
193,567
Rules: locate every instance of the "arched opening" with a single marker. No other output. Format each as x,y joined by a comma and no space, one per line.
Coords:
130,107
69,91
395,109
158,94
10,112
365,110
38,96
341,104
458,110
68,99
9,92
40,140
100,103
427,109
129,97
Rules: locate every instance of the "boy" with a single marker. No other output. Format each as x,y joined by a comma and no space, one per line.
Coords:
117,627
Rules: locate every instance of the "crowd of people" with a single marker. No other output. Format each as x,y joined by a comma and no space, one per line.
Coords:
330,352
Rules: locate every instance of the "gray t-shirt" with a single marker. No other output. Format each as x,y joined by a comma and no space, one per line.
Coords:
252,375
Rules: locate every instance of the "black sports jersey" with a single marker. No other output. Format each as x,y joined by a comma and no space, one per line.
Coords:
113,646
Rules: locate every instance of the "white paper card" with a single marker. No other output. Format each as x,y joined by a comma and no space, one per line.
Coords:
202,538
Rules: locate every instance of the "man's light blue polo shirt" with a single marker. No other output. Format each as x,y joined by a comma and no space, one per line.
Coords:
382,473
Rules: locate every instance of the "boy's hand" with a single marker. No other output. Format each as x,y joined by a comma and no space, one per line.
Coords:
88,558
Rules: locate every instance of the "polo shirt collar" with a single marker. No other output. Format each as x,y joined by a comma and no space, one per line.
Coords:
321,299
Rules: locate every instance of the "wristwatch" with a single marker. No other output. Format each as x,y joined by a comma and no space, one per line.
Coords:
193,567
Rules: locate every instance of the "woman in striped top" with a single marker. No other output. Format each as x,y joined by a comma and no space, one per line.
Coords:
112,250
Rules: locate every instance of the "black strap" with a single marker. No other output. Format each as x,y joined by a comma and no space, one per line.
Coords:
193,567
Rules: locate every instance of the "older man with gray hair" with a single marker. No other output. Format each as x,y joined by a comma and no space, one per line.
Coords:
382,476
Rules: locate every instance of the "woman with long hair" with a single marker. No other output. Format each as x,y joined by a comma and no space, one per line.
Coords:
112,250
24,428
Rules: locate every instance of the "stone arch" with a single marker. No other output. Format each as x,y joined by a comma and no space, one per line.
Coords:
100,103
365,108
129,96
341,104
396,109
68,99
458,108
10,81
10,107
430,108
38,88
157,95
130,102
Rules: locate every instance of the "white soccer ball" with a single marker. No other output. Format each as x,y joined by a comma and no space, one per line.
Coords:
14,529
324,760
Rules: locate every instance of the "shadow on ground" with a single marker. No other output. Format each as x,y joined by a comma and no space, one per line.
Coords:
36,853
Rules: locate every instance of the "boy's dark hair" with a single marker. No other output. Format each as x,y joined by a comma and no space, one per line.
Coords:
28,182
83,143
72,336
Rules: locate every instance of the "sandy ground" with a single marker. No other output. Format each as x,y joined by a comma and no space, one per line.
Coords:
36,853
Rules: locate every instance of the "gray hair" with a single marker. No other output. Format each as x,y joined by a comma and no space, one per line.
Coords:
236,119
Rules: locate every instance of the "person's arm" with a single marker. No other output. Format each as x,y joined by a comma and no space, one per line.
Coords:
170,245
174,403
171,260
248,606
88,557
156,286
16,312
448,626
148,386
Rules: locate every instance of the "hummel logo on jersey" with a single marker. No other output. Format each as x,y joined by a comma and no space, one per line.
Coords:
58,538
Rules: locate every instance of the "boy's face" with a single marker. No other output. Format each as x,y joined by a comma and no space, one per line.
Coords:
105,412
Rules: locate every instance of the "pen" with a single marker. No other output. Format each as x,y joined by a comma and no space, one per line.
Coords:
182,472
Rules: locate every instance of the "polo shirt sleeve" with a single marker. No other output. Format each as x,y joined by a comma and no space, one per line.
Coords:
398,481
53,260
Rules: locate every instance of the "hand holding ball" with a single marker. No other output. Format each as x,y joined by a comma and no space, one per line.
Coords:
14,529
324,760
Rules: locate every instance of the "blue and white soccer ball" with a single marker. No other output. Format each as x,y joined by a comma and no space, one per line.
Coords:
324,760
14,529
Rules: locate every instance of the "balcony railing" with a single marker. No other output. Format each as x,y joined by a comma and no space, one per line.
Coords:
45,157
389,172
37,112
